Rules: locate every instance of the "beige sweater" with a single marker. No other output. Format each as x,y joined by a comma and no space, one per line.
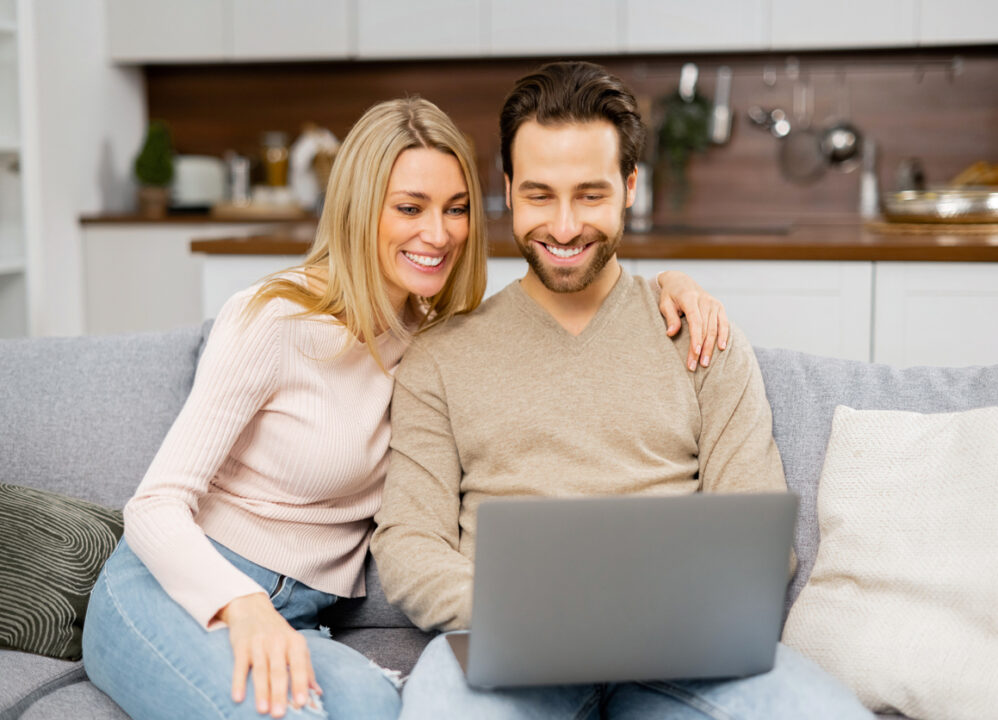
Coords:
505,402
279,454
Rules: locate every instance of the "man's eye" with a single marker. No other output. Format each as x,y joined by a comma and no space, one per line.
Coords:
592,198
537,198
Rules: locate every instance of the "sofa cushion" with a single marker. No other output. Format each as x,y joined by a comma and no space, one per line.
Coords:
25,678
84,416
900,603
803,391
79,701
395,649
53,547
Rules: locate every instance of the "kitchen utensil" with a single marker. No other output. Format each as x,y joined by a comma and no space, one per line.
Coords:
841,141
910,175
775,120
800,156
869,183
943,205
720,115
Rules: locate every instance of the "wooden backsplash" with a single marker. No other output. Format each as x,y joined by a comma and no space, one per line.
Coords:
940,106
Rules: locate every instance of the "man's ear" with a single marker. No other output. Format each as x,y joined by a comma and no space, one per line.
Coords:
630,187
509,184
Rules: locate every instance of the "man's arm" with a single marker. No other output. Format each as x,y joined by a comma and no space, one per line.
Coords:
737,449
416,543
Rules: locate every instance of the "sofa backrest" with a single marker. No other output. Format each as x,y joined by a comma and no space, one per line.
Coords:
803,391
84,416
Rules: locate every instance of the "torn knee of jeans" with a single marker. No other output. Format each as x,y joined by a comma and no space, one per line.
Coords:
393,676
311,709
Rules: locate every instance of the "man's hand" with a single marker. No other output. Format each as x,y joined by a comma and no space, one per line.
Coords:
704,314
263,641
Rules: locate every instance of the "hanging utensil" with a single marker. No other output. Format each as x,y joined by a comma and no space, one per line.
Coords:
720,115
841,141
800,156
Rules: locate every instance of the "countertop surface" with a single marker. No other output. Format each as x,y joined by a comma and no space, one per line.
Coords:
852,241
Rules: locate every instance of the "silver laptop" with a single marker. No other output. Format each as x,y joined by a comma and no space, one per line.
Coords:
627,588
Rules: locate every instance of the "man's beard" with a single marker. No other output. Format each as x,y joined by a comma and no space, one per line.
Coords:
561,279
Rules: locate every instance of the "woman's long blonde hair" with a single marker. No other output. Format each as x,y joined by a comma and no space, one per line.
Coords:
345,252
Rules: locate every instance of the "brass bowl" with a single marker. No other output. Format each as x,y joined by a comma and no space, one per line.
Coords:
964,205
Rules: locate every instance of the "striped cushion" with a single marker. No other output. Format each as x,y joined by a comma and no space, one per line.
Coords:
52,547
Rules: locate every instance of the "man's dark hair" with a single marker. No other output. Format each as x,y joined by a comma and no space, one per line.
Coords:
570,92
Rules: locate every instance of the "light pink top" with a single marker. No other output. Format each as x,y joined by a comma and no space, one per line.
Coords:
279,454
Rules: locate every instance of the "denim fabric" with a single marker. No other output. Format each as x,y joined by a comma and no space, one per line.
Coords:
796,688
153,659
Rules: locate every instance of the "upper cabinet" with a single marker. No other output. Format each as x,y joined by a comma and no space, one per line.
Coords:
425,29
957,22
656,26
842,24
152,31
292,29
555,27
142,31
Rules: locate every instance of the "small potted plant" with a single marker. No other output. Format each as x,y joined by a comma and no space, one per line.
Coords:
154,170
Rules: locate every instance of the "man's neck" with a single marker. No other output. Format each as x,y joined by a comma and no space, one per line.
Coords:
573,311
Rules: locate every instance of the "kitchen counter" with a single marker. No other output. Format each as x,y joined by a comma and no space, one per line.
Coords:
870,242
191,218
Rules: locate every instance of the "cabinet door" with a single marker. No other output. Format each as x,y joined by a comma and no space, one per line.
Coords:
952,22
527,27
843,24
668,25
291,29
816,307
431,28
503,271
936,314
177,31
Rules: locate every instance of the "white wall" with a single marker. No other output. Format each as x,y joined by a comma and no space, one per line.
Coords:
87,119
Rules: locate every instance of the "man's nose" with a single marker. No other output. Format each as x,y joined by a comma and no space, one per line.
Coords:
566,226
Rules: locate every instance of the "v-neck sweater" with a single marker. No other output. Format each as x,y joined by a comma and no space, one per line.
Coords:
505,402
279,454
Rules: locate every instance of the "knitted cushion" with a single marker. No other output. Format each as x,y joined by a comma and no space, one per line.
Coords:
53,547
902,602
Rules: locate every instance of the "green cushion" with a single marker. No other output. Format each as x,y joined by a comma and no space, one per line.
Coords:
52,549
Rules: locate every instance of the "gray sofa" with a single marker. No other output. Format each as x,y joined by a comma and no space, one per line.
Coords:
84,416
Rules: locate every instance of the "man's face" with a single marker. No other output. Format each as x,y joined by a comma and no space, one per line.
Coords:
568,200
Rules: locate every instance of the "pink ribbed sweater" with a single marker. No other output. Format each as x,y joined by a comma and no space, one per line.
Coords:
279,454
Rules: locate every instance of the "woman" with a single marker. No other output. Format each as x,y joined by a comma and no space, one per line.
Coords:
255,514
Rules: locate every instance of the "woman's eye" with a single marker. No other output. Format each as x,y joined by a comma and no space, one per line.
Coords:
407,209
458,210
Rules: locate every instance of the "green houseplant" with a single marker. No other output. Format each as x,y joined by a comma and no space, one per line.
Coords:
154,170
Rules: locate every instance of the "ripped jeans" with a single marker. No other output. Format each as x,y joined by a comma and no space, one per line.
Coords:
154,660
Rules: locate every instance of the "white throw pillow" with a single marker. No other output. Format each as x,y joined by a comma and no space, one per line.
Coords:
902,604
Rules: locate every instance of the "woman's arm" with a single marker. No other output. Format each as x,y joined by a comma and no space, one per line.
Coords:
705,315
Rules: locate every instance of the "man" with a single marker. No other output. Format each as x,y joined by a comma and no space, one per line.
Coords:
567,383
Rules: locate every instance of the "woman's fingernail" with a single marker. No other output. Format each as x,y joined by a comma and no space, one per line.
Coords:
706,361
693,365
698,348
301,699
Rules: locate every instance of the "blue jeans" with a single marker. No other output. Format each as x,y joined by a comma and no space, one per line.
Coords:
154,660
795,688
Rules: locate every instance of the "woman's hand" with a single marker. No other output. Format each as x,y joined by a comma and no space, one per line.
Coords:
262,641
704,314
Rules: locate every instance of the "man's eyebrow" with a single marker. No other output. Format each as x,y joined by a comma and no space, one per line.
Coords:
529,185
594,185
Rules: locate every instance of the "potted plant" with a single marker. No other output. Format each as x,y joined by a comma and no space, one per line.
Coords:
154,170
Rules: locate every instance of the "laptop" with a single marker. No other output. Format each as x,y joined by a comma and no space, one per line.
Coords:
612,589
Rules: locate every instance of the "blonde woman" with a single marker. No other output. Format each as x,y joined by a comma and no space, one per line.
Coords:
255,515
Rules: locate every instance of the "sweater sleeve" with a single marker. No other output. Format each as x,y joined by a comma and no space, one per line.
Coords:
237,373
737,449
417,540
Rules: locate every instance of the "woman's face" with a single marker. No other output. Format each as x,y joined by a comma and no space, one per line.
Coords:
424,223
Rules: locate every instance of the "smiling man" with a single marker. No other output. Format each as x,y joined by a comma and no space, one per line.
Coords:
566,383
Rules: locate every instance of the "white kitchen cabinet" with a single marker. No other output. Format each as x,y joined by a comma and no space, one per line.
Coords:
955,22
842,24
554,27
144,277
503,271
677,25
223,275
819,307
427,29
148,31
292,30
936,313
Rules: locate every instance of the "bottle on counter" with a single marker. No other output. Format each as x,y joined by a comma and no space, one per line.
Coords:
274,155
